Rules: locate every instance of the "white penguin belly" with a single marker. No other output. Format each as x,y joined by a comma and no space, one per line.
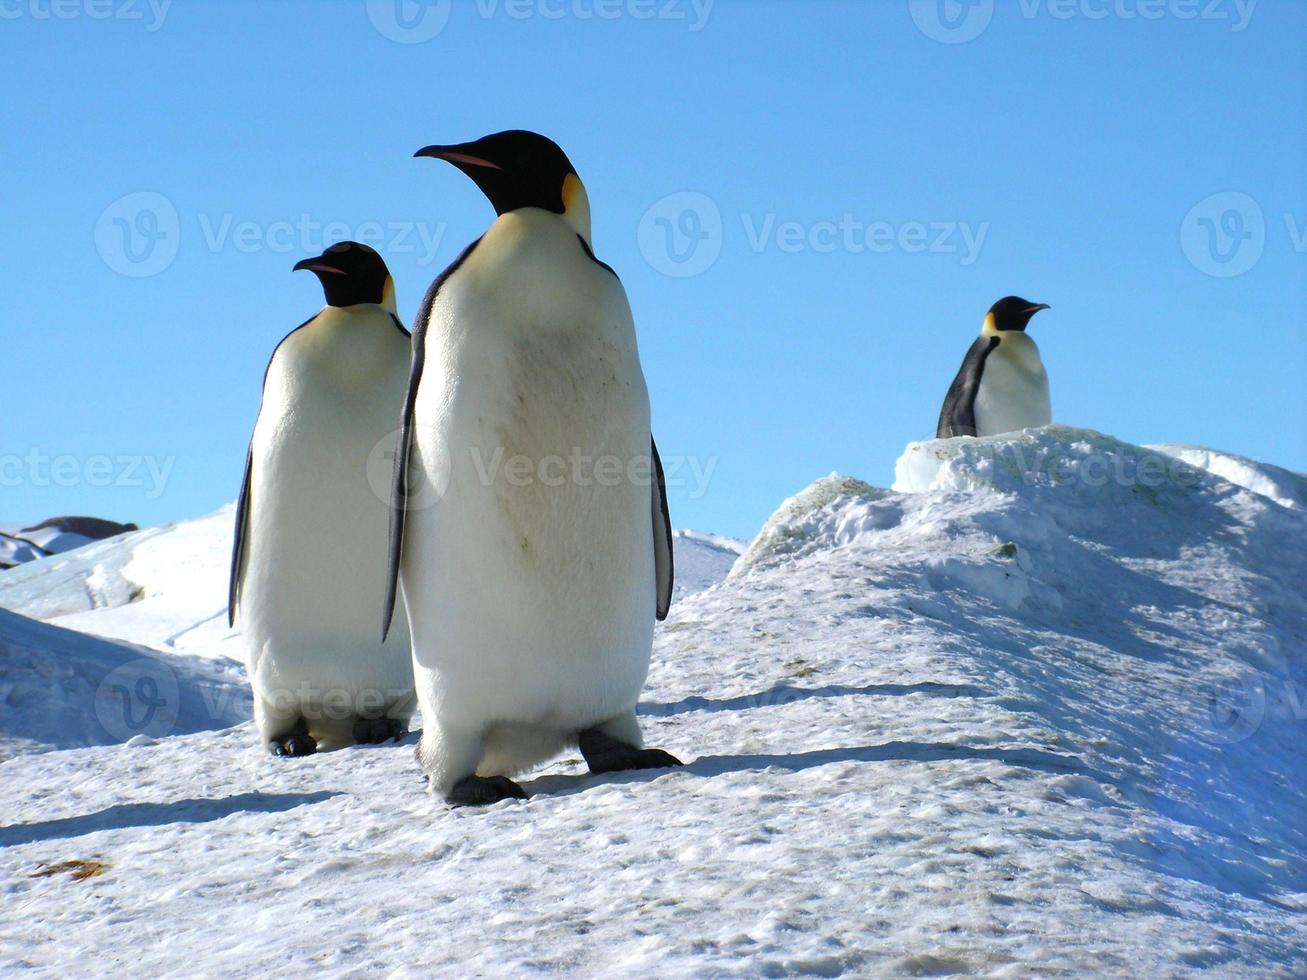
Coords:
1013,392
310,606
529,583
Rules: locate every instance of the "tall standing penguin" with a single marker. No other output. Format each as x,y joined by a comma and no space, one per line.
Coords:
310,552
530,536
1002,385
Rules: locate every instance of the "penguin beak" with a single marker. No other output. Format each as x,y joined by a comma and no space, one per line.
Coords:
316,265
458,156
1036,308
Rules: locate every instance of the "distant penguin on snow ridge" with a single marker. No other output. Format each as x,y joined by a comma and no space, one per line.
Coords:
531,602
1002,385
308,563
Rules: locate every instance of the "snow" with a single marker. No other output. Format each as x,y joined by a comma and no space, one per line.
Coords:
61,689
19,545
702,560
1039,709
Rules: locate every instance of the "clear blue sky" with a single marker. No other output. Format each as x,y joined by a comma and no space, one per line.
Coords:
1076,144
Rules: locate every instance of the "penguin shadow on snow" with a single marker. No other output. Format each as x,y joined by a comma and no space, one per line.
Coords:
125,815
896,751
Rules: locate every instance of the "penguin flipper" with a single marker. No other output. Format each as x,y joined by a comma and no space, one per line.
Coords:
400,488
958,416
238,541
664,566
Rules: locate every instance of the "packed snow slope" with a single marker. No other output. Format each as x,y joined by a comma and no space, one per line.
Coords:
62,689
166,587
1043,709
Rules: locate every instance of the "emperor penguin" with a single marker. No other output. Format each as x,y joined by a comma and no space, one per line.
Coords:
309,558
1002,385
530,537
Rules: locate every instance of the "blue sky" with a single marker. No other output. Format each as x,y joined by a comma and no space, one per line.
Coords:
811,205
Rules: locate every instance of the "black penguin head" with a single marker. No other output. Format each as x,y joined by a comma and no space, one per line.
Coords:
520,169
351,273
1012,313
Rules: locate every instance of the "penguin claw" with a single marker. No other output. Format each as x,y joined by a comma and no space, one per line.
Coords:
603,753
484,790
293,746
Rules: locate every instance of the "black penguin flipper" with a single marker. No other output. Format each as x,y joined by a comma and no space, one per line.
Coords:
238,542
401,489
664,566
958,416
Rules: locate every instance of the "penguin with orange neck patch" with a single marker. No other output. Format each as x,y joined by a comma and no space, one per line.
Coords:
1002,385
310,543
530,539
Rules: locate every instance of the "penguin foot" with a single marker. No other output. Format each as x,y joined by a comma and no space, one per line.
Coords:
374,731
293,746
484,790
603,753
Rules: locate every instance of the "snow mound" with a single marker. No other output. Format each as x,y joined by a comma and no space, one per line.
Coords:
61,689
702,560
20,544
162,587
1046,714
1285,487
802,522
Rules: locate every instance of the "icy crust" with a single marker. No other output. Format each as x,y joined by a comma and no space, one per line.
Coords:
1285,487
164,587
60,689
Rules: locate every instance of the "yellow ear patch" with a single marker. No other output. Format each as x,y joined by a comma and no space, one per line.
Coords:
988,329
388,294
572,189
